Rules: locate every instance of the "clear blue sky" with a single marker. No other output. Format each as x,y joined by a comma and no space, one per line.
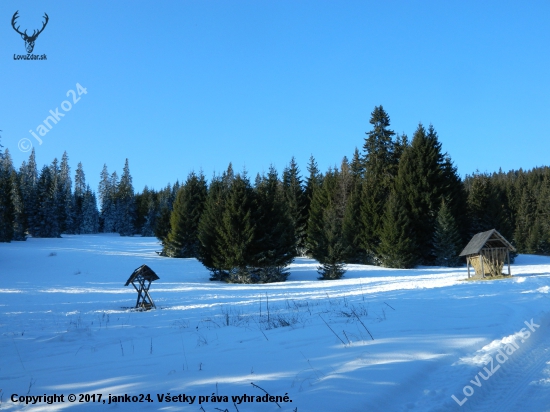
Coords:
177,86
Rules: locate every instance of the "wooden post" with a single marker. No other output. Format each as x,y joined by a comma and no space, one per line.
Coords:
468,264
508,257
482,269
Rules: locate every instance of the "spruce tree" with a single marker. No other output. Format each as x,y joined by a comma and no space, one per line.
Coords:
237,231
28,183
182,241
165,201
275,239
46,223
296,204
313,181
65,188
7,210
447,240
397,238
421,184
142,207
112,217
211,221
352,224
526,234
19,221
325,238
148,228
58,199
104,200
89,222
126,206
78,198
380,163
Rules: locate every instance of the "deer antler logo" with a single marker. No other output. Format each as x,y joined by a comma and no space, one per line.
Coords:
29,40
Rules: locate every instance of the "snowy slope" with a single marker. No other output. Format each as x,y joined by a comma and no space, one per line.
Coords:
65,328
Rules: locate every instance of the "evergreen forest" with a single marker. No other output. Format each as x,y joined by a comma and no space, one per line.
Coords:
396,202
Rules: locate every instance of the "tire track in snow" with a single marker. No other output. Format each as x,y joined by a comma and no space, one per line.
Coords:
510,387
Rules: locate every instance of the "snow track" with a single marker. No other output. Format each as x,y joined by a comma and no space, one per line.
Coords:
64,329
513,387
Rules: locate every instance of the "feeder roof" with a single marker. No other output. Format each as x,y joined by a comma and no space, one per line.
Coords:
489,239
145,271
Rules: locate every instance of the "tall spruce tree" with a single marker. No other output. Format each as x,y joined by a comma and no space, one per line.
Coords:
325,238
296,204
142,207
107,198
89,222
183,241
65,194
19,221
7,210
397,238
421,183
352,224
148,228
275,239
527,234
126,206
29,183
78,198
210,254
165,201
46,223
380,163
237,231
313,181
447,239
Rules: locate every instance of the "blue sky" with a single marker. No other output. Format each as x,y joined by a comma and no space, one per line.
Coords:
176,86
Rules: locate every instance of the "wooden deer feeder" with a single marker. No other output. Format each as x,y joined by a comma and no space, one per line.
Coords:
143,276
487,252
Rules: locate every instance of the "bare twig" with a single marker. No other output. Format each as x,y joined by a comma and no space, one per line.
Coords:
346,337
260,329
389,305
184,355
359,319
267,306
32,382
17,350
343,343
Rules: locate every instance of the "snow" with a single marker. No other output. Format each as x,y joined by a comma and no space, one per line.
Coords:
66,327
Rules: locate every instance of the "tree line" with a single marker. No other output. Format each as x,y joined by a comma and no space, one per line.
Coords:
397,203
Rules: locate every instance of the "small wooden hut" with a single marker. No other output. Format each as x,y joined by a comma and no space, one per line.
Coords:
486,253
143,276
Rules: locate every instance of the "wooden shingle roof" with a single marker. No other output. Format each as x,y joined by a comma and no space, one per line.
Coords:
145,271
489,239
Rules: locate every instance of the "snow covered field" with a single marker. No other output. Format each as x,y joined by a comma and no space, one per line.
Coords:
65,328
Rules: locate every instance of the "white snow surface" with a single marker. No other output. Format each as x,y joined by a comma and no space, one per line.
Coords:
67,327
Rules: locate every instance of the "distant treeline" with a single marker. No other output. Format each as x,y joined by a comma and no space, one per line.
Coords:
396,203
